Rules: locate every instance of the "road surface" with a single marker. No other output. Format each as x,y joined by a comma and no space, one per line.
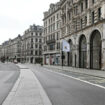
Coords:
63,90
8,76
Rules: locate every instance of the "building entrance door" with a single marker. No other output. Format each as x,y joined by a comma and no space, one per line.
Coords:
31,59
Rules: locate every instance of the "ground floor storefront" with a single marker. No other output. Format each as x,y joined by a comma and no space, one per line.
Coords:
51,59
34,60
31,59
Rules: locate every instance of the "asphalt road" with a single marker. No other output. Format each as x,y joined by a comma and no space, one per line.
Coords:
8,76
92,79
63,90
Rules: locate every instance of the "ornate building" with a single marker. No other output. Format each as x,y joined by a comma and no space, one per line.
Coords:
32,45
11,49
51,46
83,26
26,48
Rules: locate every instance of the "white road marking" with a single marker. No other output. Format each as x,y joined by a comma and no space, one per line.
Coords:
77,79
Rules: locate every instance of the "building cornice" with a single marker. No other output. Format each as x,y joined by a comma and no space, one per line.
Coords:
51,14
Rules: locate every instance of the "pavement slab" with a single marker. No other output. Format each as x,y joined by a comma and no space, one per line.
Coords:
91,72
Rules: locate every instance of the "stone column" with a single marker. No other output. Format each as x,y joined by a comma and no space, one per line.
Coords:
103,49
34,60
103,55
44,59
73,57
88,55
49,60
77,56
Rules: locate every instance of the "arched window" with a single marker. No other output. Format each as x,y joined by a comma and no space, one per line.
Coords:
95,50
82,52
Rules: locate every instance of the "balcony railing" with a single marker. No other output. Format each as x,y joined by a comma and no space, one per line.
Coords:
50,41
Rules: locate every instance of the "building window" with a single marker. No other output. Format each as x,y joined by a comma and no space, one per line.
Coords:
57,16
36,40
86,4
81,23
36,52
53,26
81,7
54,18
94,1
48,37
40,34
92,17
45,48
53,36
76,25
49,21
57,25
58,45
36,46
32,34
85,20
40,46
69,16
40,53
51,47
76,10
31,45
40,40
31,52
44,39
57,35
99,13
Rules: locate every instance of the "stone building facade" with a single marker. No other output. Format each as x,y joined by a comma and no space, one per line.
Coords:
11,49
31,50
83,26
25,48
51,53
3,50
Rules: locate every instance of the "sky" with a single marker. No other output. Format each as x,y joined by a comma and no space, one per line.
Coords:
17,15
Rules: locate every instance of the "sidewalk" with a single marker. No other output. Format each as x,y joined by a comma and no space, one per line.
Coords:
98,73
27,90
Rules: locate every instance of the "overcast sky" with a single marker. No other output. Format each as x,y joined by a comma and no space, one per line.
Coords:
17,15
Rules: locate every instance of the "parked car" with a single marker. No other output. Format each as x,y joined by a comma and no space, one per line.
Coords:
15,61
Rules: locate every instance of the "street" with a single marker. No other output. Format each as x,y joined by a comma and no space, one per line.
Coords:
8,76
52,52
63,90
